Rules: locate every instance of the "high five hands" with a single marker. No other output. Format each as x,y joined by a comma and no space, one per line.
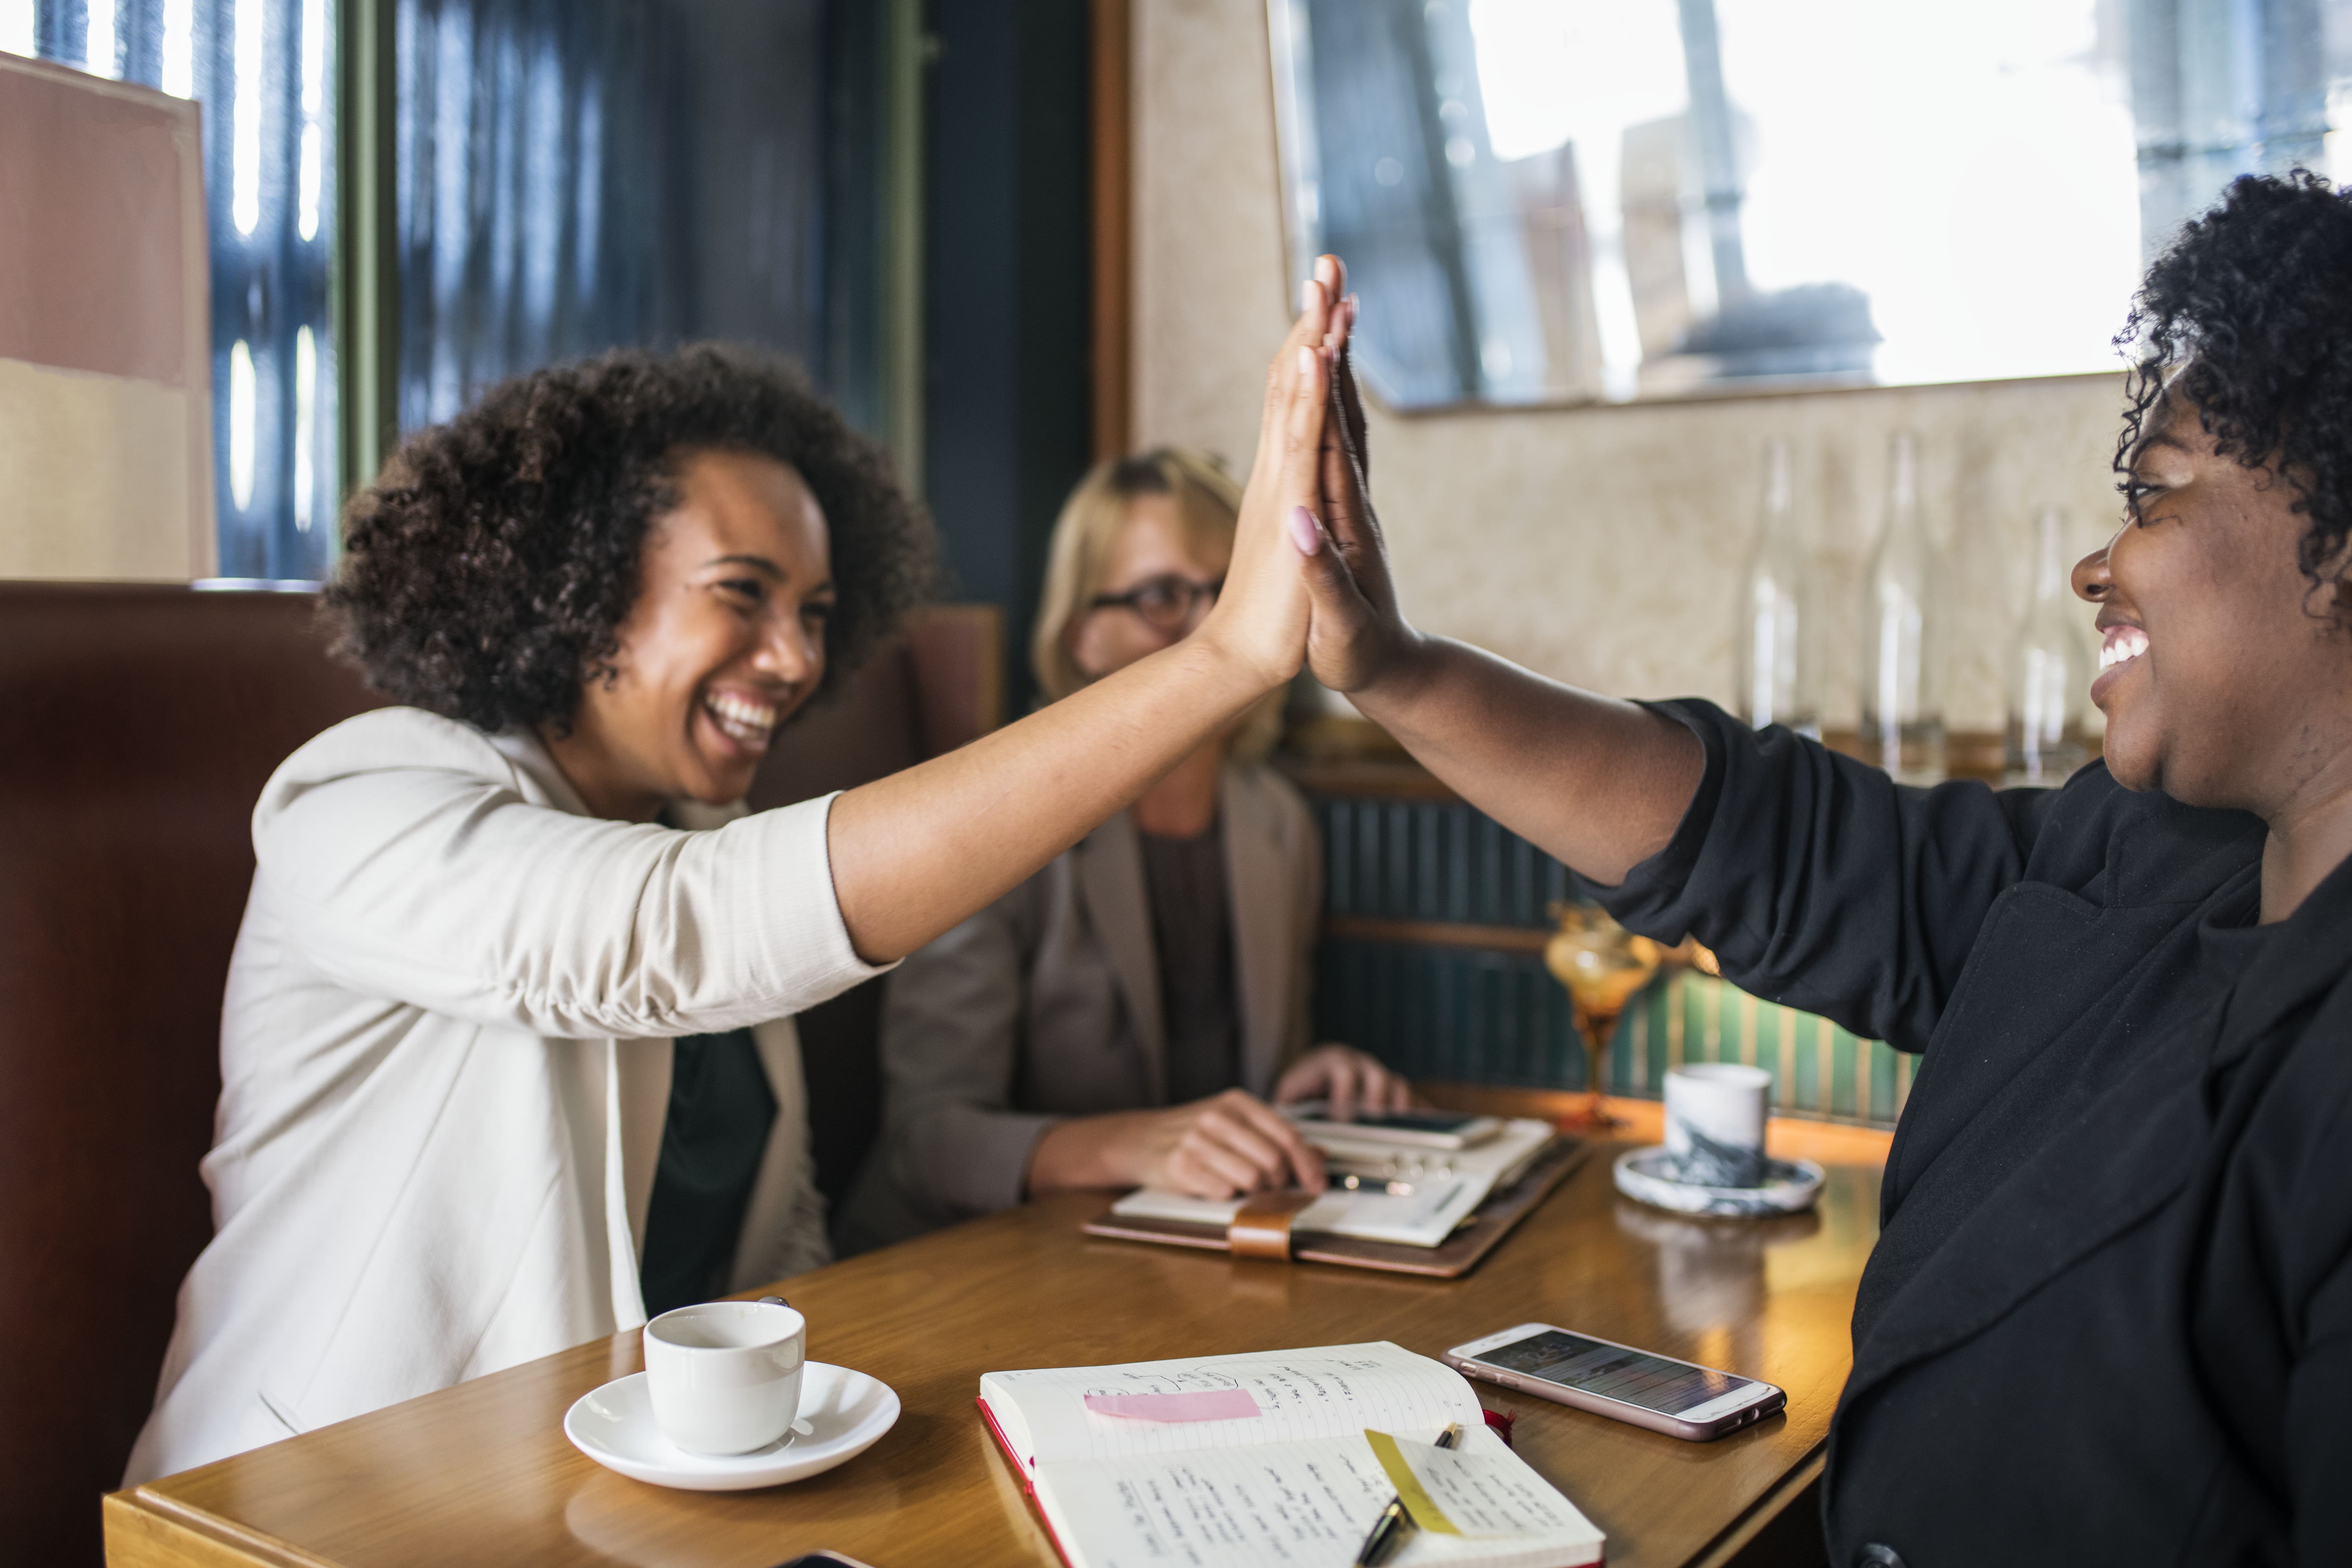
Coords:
1599,783
1355,633
1307,497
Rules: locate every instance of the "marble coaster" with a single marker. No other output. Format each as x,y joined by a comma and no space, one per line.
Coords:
1652,1176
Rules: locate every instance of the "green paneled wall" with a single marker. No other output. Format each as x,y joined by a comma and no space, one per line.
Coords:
1818,1069
1483,1015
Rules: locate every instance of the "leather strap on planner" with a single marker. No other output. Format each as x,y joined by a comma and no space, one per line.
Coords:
1262,1228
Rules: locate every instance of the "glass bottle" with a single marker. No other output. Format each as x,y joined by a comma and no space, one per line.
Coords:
1778,629
2050,668
1902,641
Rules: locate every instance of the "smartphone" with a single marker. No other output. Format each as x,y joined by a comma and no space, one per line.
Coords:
1416,1128
1675,1397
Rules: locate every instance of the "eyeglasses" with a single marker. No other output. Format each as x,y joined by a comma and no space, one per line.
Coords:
1164,602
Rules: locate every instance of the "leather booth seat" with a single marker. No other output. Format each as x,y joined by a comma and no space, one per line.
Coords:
137,726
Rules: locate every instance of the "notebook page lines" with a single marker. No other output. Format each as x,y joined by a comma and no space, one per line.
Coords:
1295,1505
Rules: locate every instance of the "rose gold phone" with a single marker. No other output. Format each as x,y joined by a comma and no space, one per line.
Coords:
1675,1397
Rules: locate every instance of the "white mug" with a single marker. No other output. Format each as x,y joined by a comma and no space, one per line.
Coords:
725,1377
1714,1123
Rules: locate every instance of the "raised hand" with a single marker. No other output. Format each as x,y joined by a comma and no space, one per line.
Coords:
1356,631
1261,616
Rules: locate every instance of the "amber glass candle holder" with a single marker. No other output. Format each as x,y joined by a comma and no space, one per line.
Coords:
1603,965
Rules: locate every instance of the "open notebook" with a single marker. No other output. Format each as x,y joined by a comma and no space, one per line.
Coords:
1263,1461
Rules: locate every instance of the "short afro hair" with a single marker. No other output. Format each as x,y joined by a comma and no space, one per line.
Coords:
2247,317
487,571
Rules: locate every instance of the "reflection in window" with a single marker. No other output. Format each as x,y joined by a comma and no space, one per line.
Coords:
262,71
2221,86
1468,264
1562,199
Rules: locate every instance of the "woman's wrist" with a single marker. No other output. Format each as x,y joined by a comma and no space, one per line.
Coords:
1402,663
1228,668
1083,1152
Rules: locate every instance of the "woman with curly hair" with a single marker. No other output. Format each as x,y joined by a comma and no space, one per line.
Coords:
2109,1315
507,1057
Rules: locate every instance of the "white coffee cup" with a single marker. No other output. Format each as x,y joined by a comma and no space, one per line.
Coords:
725,1377
1714,1123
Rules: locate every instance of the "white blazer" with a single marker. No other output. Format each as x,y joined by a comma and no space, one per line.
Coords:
444,1065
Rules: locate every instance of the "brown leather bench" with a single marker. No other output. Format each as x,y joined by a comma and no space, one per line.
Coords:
137,726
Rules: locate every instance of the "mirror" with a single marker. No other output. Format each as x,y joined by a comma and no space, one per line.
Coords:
1569,201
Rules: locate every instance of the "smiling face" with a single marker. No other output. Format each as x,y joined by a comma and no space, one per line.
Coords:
1156,554
725,639
2224,676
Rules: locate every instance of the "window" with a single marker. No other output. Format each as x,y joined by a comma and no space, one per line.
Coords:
1564,200
565,177
264,72
579,175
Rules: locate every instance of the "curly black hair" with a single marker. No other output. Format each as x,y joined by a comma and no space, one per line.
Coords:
2247,317
487,571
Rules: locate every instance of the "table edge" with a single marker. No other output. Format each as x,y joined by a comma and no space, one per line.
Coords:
136,1519
1724,1549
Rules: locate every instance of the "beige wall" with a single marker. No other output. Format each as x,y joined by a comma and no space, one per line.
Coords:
95,478
105,372
1601,545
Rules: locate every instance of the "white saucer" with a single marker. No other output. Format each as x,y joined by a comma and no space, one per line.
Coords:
846,1411
1790,1185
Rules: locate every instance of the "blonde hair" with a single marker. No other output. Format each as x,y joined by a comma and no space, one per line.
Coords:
1208,511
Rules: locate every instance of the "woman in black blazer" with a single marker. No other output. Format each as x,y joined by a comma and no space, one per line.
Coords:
2109,1318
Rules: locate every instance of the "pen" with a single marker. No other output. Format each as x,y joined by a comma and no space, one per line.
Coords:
1389,1533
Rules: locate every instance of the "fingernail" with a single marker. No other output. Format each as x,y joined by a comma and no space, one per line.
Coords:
1306,295
1304,532
1305,360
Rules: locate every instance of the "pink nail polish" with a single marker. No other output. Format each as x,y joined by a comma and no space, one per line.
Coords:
1304,532
1305,360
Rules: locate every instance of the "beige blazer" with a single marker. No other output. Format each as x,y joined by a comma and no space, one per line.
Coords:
1045,1006
445,1064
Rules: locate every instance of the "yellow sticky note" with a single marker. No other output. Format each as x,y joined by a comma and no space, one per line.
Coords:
1410,1491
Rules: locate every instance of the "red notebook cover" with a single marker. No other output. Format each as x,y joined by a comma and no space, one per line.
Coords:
1020,1473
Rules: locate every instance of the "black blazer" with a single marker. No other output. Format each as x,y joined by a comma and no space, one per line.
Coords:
2109,1317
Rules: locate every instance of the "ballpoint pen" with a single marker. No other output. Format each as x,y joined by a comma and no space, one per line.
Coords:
1389,1533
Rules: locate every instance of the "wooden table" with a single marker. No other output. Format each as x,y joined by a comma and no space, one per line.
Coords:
482,1473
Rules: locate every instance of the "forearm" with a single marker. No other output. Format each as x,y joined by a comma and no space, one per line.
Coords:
1600,782
914,854
918,852
1085,1152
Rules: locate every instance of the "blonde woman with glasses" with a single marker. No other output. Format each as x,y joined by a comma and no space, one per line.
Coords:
1123,1018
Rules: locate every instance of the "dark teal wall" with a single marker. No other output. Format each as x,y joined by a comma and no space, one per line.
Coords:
1007,266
